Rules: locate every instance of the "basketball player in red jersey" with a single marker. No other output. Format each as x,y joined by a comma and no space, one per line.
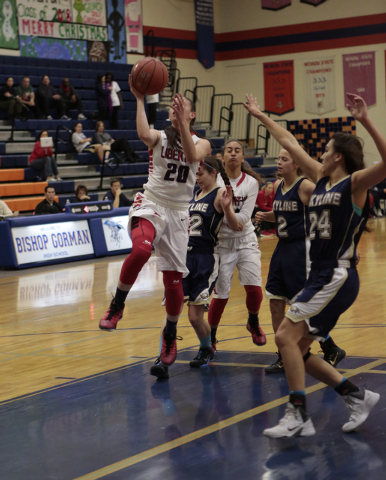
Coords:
160,216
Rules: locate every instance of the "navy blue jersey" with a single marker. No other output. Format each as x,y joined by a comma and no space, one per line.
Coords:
292,221
335,225
205,222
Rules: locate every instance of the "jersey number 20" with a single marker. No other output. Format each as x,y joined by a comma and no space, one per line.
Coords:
182,174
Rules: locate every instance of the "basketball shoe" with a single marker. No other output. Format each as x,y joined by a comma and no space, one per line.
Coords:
204,356
332,355
111,317
159,370
360,405
295,423
277,367
258,335
169,348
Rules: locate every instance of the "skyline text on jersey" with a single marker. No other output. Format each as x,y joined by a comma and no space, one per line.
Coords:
285,206
330,198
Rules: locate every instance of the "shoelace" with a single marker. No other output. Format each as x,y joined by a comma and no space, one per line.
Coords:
169,341
289,414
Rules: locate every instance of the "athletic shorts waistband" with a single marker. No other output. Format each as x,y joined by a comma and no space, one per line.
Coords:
325,264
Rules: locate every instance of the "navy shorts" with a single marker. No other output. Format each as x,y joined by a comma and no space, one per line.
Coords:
327,294
203,273
288,271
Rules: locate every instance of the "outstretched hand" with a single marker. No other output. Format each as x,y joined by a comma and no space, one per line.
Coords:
252,106
226,197
178,107
137,94
357,107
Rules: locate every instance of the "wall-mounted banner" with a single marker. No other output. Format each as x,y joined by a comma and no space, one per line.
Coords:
279,87
315,3
116,31
8,25
90,12
41,243
116,234
319,82
359,76
40,47
134,26
205,32
38,28
275,4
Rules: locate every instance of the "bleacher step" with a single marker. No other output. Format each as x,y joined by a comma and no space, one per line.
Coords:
77,170
25,147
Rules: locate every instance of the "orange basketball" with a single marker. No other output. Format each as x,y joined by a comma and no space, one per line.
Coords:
149,76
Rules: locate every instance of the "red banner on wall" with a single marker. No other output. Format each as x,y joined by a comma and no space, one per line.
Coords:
279,87
275,4
359,76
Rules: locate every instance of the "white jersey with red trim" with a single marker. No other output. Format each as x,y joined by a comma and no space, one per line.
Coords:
171,178
245,189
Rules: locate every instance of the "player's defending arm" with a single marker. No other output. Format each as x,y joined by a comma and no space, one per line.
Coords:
311,168
306,189
193,152
223,203
150,137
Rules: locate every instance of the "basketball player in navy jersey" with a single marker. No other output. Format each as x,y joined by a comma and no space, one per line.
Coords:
289,266
160,216
207,211
338,211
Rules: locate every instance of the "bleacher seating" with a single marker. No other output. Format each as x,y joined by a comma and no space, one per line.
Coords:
17,180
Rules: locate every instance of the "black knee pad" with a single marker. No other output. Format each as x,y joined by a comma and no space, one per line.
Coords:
307,355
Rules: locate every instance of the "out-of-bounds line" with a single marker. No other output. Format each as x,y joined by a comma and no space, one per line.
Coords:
128,462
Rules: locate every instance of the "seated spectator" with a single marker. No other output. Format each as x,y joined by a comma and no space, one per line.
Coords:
379,192
102,97
119,145
42,160
70,98
48,205
5,211
264,203
81,194
114,99
9,100
82,143
47,99
115,195
26,96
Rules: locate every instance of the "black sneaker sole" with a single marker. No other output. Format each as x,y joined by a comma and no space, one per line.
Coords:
198,365
275,369
107,329
159,371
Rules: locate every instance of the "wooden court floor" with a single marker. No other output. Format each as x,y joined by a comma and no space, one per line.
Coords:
78,403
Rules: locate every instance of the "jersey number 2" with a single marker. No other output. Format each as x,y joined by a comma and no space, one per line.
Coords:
182,174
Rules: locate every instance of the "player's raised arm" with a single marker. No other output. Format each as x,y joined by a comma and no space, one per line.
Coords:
149,136
311,168
193,153
362,180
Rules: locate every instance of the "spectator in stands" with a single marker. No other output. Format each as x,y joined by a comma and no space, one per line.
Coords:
48,205
70,98
9,100
26,96
42,160
82,143
264,203
115,99
115,195
81,194
119,145
5,211
47,99
379,192
102,97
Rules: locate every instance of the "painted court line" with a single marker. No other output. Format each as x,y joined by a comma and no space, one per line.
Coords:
128,462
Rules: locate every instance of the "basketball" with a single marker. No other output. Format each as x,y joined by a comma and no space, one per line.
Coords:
149,76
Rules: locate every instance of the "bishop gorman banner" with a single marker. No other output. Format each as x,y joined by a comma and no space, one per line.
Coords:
275,4
319,81
359,76
279,87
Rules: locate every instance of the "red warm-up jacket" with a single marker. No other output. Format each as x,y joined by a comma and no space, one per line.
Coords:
39,152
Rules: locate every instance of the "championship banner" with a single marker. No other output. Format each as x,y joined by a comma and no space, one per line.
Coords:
359,76
274,4
315,3
8,26
205,32
116,31
279,87
319,81
134,26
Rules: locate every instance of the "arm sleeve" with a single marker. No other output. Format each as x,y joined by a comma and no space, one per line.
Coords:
5,211
76,138
245,214
124,200
39,209
117,87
